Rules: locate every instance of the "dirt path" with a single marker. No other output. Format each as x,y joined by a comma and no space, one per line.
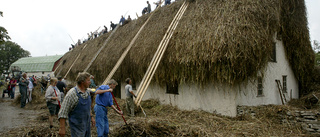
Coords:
14,116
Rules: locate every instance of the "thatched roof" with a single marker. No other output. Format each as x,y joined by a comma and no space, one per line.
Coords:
215,41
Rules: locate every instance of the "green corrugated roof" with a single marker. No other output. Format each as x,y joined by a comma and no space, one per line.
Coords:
35,64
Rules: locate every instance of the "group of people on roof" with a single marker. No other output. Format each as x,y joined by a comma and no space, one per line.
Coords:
123,21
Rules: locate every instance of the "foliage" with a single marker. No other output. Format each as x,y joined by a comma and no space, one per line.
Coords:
316,48
3,32
318,59
3,35
9,53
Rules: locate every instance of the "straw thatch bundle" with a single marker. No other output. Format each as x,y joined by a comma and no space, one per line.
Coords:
225,41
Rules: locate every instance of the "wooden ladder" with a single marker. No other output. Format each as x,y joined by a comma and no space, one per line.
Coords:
159,53
282,95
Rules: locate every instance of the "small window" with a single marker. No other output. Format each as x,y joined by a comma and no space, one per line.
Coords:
273,57
172,88
284,83
260,87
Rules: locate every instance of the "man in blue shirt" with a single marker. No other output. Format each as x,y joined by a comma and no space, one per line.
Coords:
104,100
122,20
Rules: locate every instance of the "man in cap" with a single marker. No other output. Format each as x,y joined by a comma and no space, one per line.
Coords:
77,108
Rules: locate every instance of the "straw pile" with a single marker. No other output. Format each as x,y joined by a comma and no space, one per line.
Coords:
165,120
224,41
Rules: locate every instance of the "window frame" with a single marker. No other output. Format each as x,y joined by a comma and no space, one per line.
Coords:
273,56
284,84
259,87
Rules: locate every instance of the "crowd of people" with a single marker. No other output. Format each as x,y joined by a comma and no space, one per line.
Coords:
74,104
26,86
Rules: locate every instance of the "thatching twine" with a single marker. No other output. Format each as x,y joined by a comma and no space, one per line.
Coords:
215,41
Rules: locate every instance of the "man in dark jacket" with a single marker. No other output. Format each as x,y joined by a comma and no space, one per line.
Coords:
23,87
61,86
112,25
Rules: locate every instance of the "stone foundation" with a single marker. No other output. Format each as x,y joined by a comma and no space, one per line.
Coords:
307,119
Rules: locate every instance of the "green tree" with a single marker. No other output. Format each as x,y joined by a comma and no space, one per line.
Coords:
3,35
318,59
316,48
3,32
9,53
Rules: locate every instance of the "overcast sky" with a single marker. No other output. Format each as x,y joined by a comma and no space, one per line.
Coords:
43,26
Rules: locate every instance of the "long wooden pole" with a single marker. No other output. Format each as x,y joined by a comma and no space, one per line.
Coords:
146,76
124,54
118,108
104,44
157,58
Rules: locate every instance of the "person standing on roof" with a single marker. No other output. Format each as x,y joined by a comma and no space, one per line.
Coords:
105,29
145,10
112,25
122,20
149,7
158,3
77,108
129,18
129,99
104,100
167,2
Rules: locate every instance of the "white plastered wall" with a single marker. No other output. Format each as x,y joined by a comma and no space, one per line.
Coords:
274,70
210,98
214,98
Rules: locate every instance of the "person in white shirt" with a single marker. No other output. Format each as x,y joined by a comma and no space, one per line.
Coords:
29,94
53,99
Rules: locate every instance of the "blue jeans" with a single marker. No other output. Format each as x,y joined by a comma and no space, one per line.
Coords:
102,123
12,92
